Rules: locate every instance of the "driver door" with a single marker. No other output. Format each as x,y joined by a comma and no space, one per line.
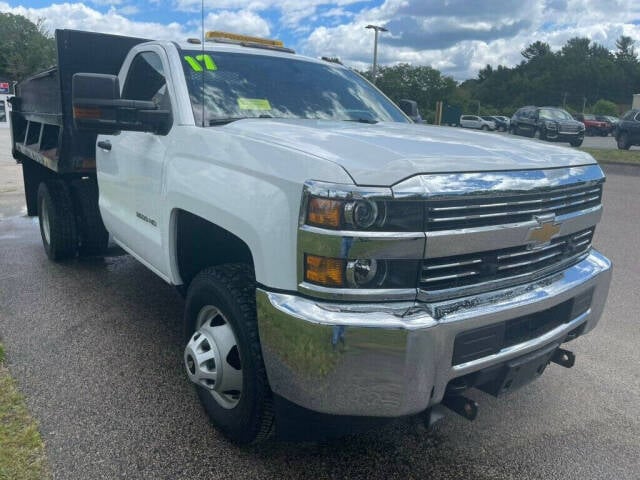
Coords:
131,167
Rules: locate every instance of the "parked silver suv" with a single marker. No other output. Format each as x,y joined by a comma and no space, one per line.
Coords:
475,121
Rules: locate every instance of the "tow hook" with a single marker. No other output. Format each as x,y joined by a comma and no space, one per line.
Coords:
564,358
462,406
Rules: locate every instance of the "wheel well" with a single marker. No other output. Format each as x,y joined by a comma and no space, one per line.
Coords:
201,244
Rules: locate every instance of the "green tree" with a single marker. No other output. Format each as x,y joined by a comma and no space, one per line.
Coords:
423,84
626,50
605,107
536,49
26,47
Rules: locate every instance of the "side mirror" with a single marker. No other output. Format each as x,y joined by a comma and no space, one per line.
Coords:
410,108
98,108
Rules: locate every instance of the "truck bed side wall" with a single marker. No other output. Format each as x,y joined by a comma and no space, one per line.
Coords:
43,109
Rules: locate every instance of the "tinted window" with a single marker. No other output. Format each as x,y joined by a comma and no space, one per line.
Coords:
629,115
246,85
554,114
146,81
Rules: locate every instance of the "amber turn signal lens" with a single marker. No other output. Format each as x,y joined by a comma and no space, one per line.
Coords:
328,272
324,212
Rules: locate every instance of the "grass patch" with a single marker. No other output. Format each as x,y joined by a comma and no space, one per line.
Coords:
21,448
619,156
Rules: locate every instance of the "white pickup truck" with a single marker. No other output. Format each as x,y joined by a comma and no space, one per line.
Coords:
340,263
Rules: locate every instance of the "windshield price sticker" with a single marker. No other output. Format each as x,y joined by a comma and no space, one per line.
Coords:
201,62
253,104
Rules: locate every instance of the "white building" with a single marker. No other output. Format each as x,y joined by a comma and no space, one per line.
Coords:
5,108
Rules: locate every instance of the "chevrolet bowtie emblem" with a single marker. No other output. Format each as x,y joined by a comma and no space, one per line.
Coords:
542,234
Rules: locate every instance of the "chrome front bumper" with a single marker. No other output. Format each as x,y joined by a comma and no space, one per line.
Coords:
395,359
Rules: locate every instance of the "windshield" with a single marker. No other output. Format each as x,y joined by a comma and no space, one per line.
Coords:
260,86
554,114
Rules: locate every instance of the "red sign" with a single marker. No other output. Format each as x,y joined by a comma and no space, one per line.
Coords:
4,87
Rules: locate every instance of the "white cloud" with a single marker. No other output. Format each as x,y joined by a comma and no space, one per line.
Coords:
292,12
455,36
82,17
244,21
128,10
460,37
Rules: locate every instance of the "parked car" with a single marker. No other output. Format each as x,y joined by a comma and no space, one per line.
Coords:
475,121
610,120
627,132
502,123
547,123
592,126
506,120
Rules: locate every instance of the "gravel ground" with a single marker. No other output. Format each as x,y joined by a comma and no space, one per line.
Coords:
94,346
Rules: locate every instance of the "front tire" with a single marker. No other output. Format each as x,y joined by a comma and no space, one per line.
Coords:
221,326
576,143
57,220
485,128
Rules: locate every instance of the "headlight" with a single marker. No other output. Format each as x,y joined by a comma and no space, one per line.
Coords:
356,241
361,213
360,209
551,125
366,273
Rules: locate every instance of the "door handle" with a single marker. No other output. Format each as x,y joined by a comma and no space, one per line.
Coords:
104,144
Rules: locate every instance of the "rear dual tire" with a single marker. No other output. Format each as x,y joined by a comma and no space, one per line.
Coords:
57,220
69,218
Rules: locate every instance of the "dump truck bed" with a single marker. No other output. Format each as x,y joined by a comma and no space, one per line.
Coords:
42,118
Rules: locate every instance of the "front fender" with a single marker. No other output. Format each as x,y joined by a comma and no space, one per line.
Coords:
248,187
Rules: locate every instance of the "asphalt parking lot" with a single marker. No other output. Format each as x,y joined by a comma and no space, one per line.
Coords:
95,348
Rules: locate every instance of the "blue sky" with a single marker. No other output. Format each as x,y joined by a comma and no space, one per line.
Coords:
457,37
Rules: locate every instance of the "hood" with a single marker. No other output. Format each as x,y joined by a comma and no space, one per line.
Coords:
386,153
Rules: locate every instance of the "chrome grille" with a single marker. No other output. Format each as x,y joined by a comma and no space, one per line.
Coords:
480,211
569,128
445,273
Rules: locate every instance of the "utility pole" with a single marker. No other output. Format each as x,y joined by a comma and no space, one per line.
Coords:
376,29
564,101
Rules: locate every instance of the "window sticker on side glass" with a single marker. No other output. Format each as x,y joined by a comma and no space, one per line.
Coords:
199,61
253,104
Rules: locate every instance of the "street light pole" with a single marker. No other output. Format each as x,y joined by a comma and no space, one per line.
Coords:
376,29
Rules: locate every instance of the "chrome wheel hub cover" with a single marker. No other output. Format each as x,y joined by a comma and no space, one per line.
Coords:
212,357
